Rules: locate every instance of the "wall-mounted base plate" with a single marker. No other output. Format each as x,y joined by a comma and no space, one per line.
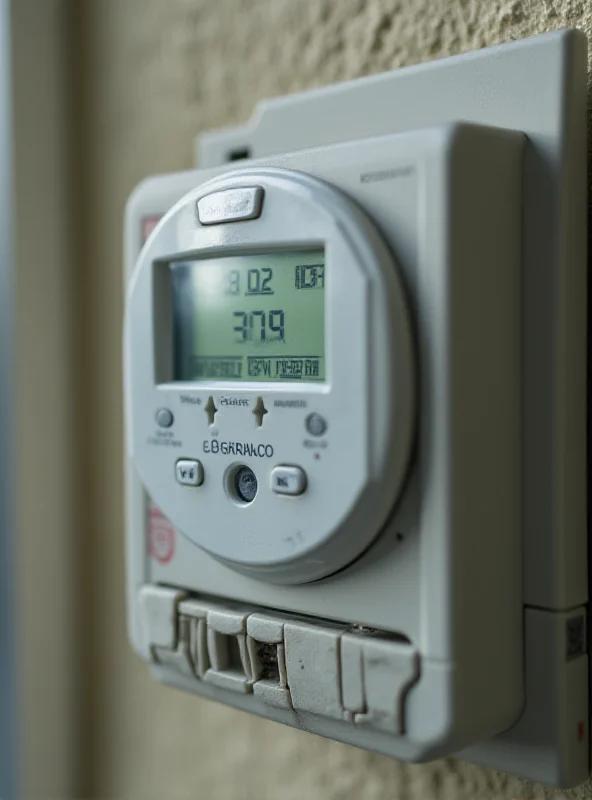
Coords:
537,86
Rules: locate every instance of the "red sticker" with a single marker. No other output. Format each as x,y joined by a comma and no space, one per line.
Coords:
161,536
148,225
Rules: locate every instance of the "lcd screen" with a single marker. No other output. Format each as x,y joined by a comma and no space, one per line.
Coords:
250,318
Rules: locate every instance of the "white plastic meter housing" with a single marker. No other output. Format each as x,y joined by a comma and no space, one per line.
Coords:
349,373
365,401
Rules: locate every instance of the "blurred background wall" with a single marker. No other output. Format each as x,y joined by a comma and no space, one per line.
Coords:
48,546
144,77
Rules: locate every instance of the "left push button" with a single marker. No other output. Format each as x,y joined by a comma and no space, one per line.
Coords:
189,472
164,417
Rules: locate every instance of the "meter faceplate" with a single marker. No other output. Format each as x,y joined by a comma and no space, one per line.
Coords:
349,435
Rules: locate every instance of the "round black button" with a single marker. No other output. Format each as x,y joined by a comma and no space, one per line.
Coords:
164,418
315,424
245,484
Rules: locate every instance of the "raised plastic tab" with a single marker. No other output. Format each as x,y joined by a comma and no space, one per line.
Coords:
158,613
231,205
312,663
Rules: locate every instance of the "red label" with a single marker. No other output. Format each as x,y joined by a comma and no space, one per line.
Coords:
161,536
148,225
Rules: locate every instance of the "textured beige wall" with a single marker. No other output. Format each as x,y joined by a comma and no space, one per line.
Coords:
152,74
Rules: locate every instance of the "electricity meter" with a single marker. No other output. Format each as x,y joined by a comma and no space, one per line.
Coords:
281,364
325,354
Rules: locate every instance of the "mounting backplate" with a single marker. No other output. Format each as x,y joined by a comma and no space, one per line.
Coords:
537,86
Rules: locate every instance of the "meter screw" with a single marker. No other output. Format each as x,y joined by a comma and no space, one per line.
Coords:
315,424
245,484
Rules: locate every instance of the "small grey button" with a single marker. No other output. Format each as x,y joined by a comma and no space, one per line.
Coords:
288,480
189,472
230,205
315,424
164,418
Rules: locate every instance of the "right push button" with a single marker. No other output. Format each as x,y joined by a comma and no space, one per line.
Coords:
315,424
288,480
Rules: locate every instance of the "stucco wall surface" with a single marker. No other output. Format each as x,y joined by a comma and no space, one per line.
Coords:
152,74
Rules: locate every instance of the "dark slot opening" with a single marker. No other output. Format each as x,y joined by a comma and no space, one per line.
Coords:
234,659
239,154
269,662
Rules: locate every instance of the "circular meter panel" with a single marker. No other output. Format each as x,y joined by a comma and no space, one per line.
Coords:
269,374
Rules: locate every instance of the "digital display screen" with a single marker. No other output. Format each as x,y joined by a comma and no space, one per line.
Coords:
250,318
